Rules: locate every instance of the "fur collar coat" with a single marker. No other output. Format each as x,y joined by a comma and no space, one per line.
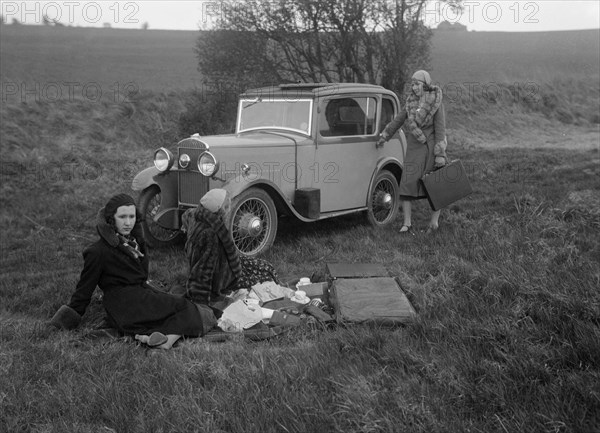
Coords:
214,263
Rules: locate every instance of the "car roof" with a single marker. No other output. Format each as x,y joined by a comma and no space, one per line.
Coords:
312,90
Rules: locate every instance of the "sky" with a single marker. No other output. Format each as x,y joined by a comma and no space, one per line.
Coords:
479,15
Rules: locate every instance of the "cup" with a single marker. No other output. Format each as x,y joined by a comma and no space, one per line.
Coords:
303,282
300,297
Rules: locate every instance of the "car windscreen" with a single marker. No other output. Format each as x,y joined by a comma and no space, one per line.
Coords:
292,115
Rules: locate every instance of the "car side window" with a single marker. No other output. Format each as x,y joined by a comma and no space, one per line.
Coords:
348,116
387,113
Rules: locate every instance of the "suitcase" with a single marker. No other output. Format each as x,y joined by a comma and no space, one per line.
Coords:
446,185
378,300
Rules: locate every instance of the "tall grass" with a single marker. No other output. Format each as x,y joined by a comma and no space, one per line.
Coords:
507,336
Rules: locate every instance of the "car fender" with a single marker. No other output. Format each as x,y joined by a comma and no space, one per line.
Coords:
239,184
166,181
390,164
144,179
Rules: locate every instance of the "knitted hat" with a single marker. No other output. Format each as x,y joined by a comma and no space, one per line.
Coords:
116,202
214,199
422,76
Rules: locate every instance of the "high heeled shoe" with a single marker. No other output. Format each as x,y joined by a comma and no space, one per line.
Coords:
432,229
406,229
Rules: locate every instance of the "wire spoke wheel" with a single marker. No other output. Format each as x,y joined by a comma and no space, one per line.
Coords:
253,222
155,235
383,200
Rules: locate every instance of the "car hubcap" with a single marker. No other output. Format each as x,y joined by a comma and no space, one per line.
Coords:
383,201
250,225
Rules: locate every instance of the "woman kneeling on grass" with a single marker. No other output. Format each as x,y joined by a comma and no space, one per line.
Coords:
216,269
117,263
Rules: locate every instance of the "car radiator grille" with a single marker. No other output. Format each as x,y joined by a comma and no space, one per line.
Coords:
192,184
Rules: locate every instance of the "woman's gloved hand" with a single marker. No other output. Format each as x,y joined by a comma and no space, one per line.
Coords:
382,139
440,161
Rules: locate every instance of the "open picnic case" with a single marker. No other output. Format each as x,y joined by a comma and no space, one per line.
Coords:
352,293
362,293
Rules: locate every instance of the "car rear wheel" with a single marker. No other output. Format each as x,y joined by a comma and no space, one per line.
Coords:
155,235
253,222
383,199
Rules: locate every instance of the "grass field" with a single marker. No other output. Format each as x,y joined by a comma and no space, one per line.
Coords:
507,337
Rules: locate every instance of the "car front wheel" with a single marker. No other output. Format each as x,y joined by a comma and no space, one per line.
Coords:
155,235
253,222
382,207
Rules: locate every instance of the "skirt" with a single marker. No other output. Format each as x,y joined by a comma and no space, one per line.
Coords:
256,271
419,160
143,310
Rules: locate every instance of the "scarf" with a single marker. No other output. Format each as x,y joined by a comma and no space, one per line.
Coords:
129,245
420,111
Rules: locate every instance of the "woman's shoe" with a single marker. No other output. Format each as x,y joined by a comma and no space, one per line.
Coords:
156,339
431,229
406,229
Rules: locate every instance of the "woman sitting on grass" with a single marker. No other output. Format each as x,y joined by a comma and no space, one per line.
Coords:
117,263
215,267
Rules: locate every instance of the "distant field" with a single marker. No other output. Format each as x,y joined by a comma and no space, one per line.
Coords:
165,60
151,60
480,56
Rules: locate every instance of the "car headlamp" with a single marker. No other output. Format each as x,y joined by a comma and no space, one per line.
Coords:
207,164
184,160
163,159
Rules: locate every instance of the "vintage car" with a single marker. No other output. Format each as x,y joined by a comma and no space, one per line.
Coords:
302,150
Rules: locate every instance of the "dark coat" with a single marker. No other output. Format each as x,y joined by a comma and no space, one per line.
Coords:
131,304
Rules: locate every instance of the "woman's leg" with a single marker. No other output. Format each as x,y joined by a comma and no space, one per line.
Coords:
406,211
434,223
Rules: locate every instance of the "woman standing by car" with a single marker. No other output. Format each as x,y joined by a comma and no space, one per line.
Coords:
117,263
424,122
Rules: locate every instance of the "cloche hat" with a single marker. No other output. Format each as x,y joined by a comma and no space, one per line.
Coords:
422,76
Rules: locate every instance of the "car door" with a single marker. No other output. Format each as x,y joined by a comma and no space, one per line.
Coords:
345,154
